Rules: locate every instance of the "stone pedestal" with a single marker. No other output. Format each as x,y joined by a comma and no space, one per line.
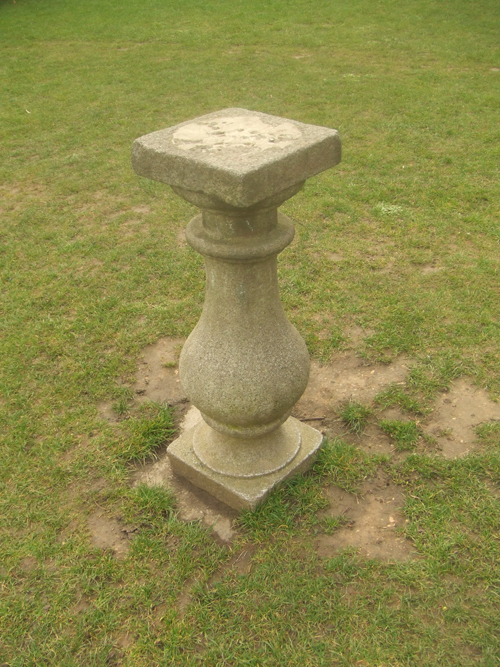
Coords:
244,365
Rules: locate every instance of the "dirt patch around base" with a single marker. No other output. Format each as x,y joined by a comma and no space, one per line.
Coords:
347,378
157,378
372,519
373,516
330,386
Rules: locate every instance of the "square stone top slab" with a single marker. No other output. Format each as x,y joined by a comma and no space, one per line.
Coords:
238,156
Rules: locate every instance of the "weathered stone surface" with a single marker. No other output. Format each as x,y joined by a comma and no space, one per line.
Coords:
244,366
247,457
241,492
240,157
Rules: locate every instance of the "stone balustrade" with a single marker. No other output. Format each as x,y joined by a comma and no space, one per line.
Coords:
244,365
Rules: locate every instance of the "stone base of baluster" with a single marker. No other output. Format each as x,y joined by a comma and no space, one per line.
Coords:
195,455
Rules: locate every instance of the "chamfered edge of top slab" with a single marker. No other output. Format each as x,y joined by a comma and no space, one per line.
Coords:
239,156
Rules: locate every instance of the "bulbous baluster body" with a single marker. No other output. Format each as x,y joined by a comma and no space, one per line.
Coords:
244,365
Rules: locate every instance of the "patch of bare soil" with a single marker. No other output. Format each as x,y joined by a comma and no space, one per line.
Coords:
181,238
157,378
143,209
357,334
28,564
373,518
15,197
347,378
456,415
81,606
106,412
108,533
429,269
132,228
121,644
185,597
373,440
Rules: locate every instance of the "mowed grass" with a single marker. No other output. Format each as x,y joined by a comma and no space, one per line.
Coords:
402,239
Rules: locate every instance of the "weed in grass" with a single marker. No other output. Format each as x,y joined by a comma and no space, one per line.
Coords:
395,395
355,416
152,429
329,524
150,504
489,433
345,465
298,499
123,400
405,434
121,407
389,209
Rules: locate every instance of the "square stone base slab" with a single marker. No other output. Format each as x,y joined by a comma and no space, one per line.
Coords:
238,492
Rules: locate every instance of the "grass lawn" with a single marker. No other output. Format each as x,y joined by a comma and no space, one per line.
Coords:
402,239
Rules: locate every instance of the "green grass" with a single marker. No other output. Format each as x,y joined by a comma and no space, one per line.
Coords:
401,239
489,433
405,433
355,416
148,432
395,395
